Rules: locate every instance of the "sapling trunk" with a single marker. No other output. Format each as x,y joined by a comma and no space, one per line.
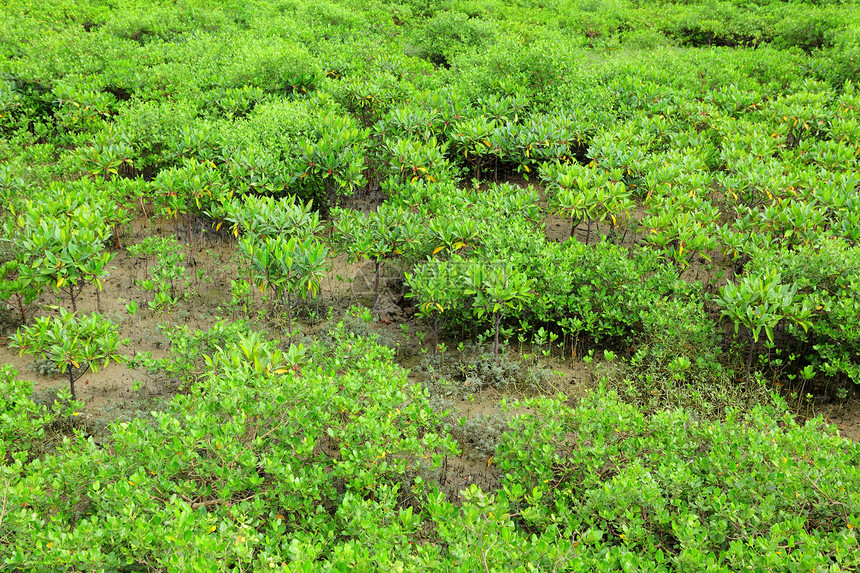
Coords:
588,233
72,296
574,223
71,381
21,308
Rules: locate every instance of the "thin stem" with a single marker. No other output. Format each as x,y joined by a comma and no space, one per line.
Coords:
21,308
71,381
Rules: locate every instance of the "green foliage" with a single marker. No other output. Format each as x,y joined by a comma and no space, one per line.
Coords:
74,344
251,467
288,266
434,285
761,302
448,33
377,236
332,166
497,291
700,144
826,278
270,217
553,481
166,271
17,288
585,194
23,422
61,243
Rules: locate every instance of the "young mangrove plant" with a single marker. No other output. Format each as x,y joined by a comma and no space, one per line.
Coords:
74,344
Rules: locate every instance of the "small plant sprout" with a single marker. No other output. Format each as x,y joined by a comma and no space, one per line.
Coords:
73,344
131,308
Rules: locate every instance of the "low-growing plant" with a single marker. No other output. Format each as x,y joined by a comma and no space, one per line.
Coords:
17,288
63,253
760,303
74,344
24,422
497,291
162,278
288,267
434,286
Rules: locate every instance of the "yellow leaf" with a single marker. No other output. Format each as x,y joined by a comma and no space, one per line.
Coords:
489,461
211,529
236,232
526,167
60,282
218,226
282,370
75,364
439,306
437,249
131,482
459,245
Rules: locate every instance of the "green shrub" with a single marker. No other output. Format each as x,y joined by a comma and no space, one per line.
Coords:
683,493
450,32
